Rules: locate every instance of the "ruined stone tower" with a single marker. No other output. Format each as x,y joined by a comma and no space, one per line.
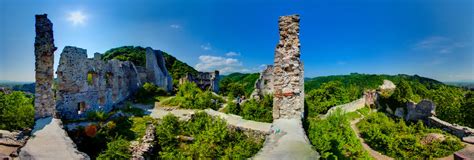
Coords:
44,56
288,101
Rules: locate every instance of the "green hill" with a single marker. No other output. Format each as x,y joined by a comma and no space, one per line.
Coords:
136,54
238,83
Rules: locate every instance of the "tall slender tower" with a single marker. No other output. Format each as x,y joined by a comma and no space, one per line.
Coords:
288,100
44,56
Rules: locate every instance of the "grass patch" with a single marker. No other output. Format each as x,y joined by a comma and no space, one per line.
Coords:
397,139
333,137
207,138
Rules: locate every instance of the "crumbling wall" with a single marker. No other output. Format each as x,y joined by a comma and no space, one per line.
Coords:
156,69
86,84
264,83
288,101
204,80
44,56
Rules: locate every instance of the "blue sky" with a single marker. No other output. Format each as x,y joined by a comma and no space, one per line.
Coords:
426,37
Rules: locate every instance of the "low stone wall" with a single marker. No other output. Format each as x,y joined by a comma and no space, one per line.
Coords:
348,107
457,130
141,149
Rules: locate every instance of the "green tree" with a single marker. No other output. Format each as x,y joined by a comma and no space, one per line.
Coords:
117,149
16,111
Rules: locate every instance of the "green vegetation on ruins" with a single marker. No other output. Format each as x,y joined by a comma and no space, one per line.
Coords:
397,139
16,111
137,55
256,110
238,84
148,93
453,104
190,96
202,137
333,137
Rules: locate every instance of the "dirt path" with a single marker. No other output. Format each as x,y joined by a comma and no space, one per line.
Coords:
373,153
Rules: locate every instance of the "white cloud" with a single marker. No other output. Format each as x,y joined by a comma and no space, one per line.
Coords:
77,17
206,46
224,65
175,26
438,44
231,54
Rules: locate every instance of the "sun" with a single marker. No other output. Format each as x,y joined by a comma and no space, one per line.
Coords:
77,18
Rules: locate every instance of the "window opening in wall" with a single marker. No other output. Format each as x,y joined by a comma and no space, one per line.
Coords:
108,80
102,101
91,78
81,107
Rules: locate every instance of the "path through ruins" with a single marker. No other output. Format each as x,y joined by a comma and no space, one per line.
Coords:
50,141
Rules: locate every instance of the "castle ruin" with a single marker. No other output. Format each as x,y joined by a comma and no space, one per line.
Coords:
88,84
44,58
264,83
92,84
288,80
204,80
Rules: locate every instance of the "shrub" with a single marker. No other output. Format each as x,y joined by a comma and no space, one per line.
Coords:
117,149
190,96
146,94
253,109
333,138
211,139
397,139
330,94
16,111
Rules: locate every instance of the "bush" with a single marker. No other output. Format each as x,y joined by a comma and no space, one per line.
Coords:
211,139
147,93
190,96
253,110
397,139
333,138
16,111
330,94
117,149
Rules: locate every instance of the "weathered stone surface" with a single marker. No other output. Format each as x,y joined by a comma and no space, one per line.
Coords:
287,141
399,112
264,83
157,72
86,84
142,149
370,97
469,139
50,141
204,80
348,107
288,101
44,56
387,85
457,130
10,142
420,111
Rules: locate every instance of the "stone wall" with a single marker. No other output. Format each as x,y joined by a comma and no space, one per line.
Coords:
264,83
44,57
86,84
156,69
204,80
457,130
288,101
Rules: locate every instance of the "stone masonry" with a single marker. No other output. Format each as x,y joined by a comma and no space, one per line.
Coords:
204,80
264,83
86,84
288,101
44,56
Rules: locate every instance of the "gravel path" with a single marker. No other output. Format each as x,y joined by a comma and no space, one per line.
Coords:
373,153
